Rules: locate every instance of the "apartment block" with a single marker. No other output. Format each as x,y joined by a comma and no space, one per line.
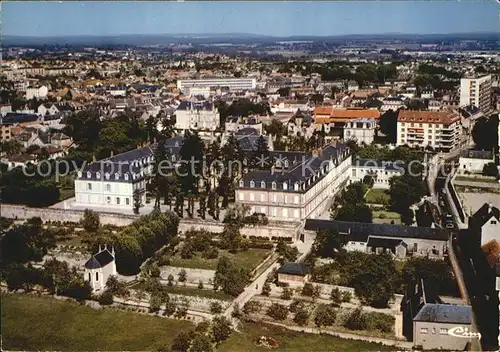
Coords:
437,129
477,92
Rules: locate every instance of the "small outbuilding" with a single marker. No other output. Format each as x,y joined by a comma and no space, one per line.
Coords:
293,273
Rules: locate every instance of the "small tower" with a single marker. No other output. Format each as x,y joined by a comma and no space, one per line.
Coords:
99,268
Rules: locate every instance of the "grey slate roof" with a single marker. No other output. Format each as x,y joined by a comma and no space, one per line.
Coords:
476,154
99,260
305,173
126,167
197,105
483,214
294,269
360,232
444,313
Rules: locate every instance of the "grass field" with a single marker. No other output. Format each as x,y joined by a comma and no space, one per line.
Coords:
387,217
191,291
248,259
377,196
43,323
293,341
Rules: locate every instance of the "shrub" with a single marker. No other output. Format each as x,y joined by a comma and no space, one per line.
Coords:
336,297
182,275
325,315
346,296
278,311
252,307
266,289
286,293
215,308
308,289
379,321
200,285
356,320
296,305
301,317
106,298
210,253
382,216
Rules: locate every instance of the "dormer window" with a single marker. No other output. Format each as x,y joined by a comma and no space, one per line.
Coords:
262,184
117,176
98,174
106,175
79,174
242,183
278,163
285,186
296,186
173,157
89,175
126,177
286,163
274,185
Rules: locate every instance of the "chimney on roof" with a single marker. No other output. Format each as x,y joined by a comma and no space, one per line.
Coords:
490,208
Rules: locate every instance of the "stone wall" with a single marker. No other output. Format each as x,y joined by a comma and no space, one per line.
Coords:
192,275
276,230
52,214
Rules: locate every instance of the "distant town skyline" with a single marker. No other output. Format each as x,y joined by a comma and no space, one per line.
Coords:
45,19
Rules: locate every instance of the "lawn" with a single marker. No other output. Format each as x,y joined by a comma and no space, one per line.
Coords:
293,341
44,323
248,259
377,196
385,217
190,291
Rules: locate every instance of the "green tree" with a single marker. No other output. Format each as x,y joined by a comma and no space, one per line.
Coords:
277,311
490,169
230,277
328,242
90,221
301,317
266,289
221,329
336,297
286,293
215,308
325,315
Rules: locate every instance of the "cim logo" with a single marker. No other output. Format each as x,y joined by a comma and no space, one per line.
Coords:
464,333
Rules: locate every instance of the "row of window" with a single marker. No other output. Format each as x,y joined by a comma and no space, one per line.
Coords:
274,198
107,176
442,331
274,212
118,200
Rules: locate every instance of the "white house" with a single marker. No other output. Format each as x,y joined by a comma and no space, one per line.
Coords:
485,223
380,171
47,109
36,92
99,268
197,115
361,130
112,182
473,161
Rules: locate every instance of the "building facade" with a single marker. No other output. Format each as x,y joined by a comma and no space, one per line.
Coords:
440,130
112,182
197,116
298,190
380,171
230,83
99,268
360,130
476,91
473,161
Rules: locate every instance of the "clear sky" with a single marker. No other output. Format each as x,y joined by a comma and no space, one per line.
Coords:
267,18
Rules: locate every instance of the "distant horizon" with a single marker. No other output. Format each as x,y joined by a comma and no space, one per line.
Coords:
254,35
273,19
